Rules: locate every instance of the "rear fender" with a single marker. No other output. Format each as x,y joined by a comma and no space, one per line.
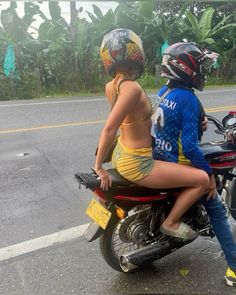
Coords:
93,232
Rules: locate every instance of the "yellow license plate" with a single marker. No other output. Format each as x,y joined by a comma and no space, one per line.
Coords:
98,213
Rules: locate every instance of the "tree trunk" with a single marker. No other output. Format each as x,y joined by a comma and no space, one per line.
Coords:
73,27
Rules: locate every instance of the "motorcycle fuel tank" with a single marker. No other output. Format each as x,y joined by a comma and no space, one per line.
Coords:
220,155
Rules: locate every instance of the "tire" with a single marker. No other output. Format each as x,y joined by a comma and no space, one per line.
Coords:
122,235
106,246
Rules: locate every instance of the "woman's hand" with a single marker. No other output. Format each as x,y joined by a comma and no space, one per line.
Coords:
212,188
105,178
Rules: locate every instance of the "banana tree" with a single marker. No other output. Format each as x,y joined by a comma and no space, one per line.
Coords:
204,31
70,59
208,33
56,57
14,32
160,29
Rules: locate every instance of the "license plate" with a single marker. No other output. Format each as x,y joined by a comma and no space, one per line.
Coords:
98,213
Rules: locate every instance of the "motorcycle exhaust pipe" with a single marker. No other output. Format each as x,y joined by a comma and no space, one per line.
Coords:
142,257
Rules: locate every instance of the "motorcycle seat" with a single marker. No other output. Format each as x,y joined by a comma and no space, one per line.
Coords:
120,185
124,186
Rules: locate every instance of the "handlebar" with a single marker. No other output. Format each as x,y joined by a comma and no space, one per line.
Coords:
229,133
217,123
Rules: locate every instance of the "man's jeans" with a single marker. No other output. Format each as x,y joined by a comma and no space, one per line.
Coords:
220,223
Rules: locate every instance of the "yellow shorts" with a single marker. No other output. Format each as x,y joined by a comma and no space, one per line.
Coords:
132,164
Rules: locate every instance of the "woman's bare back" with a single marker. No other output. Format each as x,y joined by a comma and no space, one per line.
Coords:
135,129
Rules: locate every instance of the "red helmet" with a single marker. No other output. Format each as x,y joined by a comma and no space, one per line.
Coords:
122,48
188,62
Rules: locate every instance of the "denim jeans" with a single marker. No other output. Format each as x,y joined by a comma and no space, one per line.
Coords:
220,223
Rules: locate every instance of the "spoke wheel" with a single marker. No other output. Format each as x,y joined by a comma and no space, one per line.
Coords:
124,236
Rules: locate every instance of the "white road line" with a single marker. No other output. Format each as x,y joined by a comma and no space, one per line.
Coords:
42,242
94,99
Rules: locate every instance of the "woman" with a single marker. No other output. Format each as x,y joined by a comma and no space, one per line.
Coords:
123,58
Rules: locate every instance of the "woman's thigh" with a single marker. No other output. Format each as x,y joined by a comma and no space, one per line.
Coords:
171,175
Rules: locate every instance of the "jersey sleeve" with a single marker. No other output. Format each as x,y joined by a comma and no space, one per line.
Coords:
202,115
189,135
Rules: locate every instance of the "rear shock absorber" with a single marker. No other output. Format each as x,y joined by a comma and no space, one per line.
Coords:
156,218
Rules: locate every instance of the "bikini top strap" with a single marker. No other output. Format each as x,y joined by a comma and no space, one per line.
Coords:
122,81
114,98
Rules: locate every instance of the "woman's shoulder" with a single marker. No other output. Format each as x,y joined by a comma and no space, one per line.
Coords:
109,89
122,83
109,86
130,85
123,86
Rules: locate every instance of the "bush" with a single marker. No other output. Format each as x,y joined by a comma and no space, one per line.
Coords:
27,87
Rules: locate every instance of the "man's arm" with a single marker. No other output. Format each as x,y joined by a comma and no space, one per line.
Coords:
189,136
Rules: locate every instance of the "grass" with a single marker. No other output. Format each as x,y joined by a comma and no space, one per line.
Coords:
149,82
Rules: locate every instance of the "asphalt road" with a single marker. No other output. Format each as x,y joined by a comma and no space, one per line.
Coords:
42,144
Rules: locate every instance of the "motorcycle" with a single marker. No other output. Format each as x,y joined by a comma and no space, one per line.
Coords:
127,217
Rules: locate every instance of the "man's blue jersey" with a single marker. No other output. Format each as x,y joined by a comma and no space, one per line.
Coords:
176,129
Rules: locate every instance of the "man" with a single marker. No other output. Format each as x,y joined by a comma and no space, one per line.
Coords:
178,130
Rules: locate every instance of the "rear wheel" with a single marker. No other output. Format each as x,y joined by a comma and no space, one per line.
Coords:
106,245
125,235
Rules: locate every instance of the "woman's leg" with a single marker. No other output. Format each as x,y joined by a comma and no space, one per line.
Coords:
171,175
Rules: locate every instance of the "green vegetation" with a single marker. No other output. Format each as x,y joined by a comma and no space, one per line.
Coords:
64,58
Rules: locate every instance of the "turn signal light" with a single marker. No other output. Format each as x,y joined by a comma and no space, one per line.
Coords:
120,213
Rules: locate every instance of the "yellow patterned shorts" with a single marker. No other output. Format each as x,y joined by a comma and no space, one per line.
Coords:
132,164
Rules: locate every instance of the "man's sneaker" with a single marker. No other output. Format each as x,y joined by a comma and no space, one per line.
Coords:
230,277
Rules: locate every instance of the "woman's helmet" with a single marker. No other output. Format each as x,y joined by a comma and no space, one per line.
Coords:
122,49
188,62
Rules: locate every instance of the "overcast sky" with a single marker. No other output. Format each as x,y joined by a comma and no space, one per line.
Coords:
65,8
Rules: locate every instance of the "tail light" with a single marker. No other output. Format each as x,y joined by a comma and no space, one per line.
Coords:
99,193
120,213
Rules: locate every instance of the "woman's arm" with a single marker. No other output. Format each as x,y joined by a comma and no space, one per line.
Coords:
130,93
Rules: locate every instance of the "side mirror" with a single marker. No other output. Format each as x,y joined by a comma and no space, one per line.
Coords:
229,120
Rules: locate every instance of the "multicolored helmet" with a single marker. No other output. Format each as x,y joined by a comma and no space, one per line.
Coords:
122,49
188,62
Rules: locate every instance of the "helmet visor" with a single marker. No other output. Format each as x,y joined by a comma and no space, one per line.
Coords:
207,61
